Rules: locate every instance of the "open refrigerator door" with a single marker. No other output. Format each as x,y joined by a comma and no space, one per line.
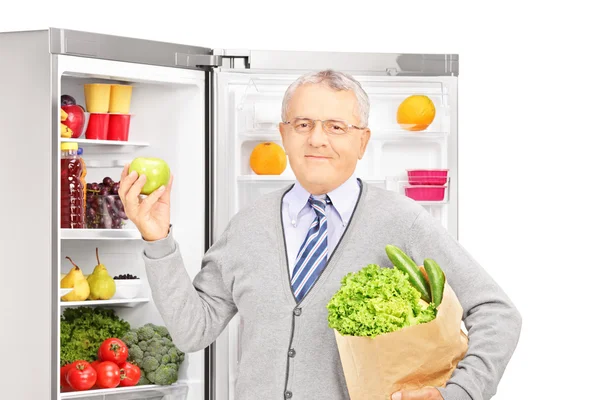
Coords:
161,90
248,102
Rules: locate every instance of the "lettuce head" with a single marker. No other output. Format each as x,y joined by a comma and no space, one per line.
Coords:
377,300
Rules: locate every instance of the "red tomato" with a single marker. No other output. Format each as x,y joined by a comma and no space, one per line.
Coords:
81,376
114,350
130,374
64,385
109,375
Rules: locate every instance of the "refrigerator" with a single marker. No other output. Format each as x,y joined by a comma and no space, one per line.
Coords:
203,110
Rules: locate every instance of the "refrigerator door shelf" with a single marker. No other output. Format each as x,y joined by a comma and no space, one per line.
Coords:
90,146
100,234
177,391
126,303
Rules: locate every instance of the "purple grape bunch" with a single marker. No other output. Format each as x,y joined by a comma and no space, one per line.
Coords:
104,207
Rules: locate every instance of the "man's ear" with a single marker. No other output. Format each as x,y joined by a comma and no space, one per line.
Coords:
364,140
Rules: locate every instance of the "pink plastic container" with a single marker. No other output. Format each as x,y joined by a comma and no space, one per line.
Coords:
425,192
427,176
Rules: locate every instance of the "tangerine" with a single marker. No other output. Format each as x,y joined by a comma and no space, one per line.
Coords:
268,158
416,113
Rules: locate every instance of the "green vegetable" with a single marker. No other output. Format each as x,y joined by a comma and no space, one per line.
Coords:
405,264
83,329
151,348
375,301
437,279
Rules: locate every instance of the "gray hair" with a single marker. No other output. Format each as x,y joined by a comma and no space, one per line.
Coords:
336,80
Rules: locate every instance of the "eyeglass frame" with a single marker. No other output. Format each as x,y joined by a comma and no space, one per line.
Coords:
350,126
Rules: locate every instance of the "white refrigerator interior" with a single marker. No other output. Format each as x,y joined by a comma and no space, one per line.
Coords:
203,111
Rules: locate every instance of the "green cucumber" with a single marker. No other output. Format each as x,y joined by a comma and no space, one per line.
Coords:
405,264
437,280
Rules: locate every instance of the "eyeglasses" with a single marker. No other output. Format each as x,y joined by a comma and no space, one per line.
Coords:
331,126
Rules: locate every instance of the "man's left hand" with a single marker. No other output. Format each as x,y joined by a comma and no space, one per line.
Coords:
426,393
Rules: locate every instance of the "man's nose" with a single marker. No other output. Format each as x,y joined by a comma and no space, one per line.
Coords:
318,136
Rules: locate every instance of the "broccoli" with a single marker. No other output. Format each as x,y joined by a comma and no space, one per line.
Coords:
152,349
130,339
149,363
135,352
164,375
145,332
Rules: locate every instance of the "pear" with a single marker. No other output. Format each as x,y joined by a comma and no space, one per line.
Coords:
75,279
102,285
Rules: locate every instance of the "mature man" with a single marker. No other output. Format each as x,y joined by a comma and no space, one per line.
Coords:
280,260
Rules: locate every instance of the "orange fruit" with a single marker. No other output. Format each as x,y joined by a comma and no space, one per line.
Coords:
268,158
415,113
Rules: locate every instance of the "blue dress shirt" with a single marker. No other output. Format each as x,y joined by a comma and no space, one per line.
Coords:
298,215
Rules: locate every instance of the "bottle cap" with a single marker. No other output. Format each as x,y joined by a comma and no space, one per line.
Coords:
69,146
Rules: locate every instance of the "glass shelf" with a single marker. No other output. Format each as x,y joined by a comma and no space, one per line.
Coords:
177,391
100,234
125,303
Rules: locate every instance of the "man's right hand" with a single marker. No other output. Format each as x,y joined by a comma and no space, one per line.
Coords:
151,215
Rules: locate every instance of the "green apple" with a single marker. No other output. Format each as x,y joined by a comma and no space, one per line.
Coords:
157,172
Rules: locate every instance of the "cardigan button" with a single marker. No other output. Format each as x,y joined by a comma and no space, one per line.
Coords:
288,394
297,312
292,353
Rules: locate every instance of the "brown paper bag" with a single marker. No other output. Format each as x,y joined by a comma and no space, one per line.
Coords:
410,358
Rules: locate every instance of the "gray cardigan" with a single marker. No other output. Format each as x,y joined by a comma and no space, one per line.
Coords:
288,350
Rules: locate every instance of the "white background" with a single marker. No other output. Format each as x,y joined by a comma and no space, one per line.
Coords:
529,98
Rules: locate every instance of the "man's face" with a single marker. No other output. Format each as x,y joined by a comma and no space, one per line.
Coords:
322,161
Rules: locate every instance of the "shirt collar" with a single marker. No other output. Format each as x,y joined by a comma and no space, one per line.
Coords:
343,199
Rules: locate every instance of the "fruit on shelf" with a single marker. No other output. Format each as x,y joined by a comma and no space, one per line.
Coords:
81,375
156,170
130,374
268,158
75,119
75,279
416,113
104,208
66,100
113,350
102,285
109,375
65,131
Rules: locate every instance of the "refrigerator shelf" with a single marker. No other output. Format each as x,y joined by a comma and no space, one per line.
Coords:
177,391
387,134
100,234
106,146
262,178
125,303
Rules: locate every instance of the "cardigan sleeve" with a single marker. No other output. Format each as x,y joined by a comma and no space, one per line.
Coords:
492,320
195,310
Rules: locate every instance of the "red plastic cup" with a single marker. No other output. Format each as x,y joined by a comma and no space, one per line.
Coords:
118,127
97,127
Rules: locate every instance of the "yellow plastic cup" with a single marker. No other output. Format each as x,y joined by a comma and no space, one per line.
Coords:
97,97
120,99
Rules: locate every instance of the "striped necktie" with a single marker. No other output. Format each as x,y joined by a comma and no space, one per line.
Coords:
312,256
